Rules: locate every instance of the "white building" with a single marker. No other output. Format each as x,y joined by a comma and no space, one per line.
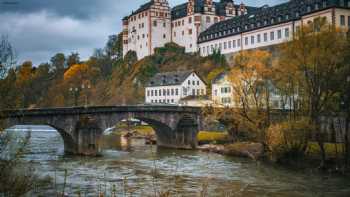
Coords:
155,23
170,87
223,94
147,28
268,26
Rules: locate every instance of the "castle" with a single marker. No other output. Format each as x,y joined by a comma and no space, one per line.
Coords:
205,26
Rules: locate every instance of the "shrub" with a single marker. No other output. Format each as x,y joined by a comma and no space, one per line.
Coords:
288,140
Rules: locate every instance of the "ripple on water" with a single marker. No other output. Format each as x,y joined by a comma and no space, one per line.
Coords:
184,172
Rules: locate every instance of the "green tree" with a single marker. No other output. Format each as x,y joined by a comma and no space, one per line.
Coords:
72,59
58,64
114,47
7,56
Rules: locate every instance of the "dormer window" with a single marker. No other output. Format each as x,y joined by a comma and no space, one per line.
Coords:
308,8
297,14
252,25
316,6
279,19
287,17
265,22
272,20
324,4
342,3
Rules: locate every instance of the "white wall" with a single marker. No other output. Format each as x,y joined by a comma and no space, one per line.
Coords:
184,90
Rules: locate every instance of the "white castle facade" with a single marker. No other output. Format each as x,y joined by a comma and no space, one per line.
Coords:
154,24
205,26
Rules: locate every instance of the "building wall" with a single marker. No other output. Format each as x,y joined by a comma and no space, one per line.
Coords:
173,94
170,95
160,25
276,34
193,86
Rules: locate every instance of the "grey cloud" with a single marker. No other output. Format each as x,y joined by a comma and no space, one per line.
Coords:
40,28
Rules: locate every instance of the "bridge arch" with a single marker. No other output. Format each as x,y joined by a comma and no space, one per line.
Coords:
68,141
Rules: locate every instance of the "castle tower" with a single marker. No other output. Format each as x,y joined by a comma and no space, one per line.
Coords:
147,28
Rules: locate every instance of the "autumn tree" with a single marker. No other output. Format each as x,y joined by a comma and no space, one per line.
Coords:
316,59
250,78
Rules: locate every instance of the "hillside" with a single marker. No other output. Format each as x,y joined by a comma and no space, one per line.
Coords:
130,76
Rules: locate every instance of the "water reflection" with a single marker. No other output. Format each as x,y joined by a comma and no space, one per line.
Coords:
129,166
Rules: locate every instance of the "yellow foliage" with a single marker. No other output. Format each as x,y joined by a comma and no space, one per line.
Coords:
77,71
211,136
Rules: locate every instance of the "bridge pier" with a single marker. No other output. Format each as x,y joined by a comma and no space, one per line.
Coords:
87,136
183,137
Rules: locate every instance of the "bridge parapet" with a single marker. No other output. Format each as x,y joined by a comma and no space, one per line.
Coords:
171,123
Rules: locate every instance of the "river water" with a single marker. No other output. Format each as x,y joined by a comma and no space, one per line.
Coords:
145,170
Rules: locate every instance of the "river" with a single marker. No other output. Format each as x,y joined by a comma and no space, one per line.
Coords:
143,170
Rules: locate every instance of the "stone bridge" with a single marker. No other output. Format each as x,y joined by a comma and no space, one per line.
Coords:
82,127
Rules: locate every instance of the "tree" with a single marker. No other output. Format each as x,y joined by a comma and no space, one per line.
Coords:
250,78
7,56
72,59
114,47
58,64
317,56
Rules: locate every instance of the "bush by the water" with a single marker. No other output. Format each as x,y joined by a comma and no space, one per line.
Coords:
288,140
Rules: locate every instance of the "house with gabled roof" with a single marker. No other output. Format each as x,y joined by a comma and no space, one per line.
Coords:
171,87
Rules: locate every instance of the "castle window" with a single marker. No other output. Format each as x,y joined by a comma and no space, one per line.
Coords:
341,2
246,41
174,34
308,8
286,32
164,24
258,38
279,34
230,12
252,39
234,44
324,4
190,31
190,20
229,44
183,22
342,20
216,19
225,45
272,35
164,36
208,19
238,42
265,37
155,23
316,6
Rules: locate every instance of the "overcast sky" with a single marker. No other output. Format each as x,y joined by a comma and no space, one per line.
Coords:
38,29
